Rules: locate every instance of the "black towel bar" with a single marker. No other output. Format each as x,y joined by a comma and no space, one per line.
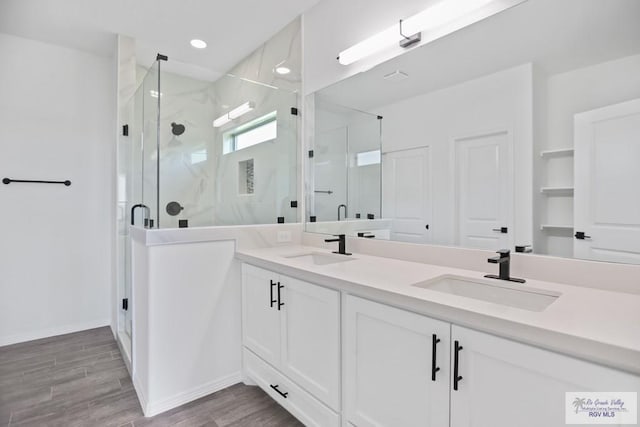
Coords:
9,181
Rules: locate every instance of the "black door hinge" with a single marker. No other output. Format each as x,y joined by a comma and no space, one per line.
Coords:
294,111
125,130
125,304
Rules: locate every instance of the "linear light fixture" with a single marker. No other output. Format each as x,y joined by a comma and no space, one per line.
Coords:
242,109
437,21
234,114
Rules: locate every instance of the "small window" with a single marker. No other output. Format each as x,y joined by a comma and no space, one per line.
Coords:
367,158
262,129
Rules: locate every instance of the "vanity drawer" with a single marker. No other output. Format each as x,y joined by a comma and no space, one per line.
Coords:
297,401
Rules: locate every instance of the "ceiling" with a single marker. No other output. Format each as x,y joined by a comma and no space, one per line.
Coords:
556,35
232,28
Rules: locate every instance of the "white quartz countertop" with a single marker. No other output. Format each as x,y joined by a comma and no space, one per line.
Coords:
591,324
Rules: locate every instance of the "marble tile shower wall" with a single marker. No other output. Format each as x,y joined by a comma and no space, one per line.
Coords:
186,169
194,170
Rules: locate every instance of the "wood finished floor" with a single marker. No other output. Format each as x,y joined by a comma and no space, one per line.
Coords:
80,380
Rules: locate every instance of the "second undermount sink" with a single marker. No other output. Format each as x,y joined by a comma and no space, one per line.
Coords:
512,295
320,258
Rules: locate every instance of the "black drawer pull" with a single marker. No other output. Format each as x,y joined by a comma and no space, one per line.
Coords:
280,304
271,293
456,377
434,341
275,387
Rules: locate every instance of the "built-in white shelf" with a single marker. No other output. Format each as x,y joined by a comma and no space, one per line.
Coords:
557,153
556,227
557,191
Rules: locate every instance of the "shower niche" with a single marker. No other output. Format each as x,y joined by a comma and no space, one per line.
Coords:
245,177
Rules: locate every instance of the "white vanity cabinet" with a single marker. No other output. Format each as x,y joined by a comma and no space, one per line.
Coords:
260,313
494,381
396,366
294,326
400,368
505,383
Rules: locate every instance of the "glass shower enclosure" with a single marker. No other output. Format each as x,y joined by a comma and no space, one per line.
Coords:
196,153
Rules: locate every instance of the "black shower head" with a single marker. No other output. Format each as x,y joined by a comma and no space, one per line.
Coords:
177,129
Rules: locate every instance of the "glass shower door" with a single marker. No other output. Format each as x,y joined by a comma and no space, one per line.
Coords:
133,208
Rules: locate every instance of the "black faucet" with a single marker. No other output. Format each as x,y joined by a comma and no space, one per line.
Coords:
504,260
342,244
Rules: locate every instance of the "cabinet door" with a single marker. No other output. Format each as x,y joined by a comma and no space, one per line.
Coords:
260,315
388,357
311,339
505,383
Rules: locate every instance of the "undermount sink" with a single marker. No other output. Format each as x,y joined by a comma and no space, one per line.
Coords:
320,258
512,295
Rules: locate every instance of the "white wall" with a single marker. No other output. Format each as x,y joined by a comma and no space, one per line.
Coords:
187,300
56,122
500,101
187,336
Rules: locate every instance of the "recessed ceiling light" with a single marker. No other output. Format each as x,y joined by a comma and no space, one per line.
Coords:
198,44
283,70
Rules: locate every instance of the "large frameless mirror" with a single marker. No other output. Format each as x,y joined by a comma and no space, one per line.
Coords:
521,131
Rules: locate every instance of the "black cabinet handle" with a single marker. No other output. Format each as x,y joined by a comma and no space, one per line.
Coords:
434,341
271,293
275,387
581,236
280,304
503,230
456,377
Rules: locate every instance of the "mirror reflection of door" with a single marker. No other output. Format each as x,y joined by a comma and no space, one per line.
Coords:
607,175
407,199
484,191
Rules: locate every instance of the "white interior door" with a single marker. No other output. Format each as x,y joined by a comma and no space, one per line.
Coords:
484,191
407,194
607,176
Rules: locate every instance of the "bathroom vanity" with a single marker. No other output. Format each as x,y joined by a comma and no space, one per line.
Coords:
370,341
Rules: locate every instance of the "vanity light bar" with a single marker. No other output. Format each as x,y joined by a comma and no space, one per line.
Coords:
234,114
437,21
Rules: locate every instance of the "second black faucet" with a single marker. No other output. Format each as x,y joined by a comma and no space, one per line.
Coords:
504,261
342,244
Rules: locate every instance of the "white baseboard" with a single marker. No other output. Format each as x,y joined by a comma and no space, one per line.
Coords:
139,391
52,332
154,408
